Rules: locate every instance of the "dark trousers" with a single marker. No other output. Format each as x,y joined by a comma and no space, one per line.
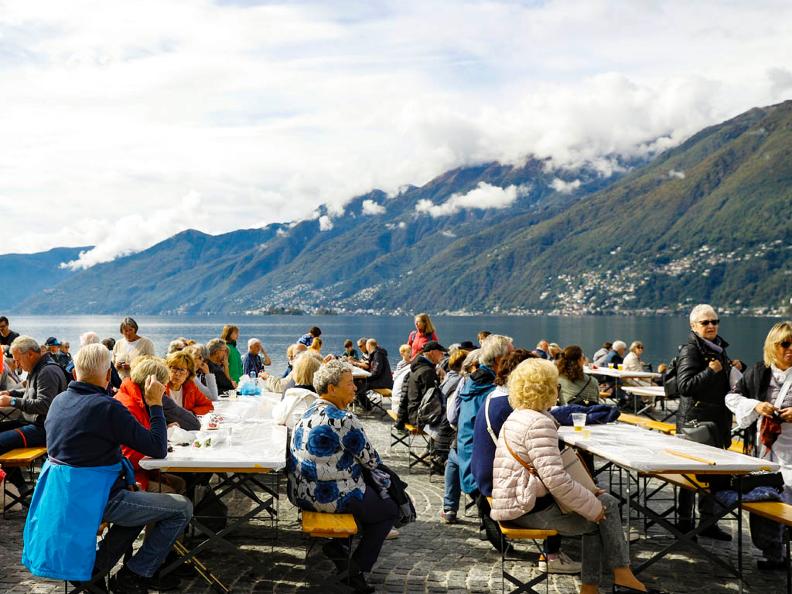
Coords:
493,533
20,434
375,517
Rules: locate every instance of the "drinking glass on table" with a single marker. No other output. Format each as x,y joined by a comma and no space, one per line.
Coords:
579,421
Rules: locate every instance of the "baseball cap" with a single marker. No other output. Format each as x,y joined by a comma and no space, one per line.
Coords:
433,345
52,341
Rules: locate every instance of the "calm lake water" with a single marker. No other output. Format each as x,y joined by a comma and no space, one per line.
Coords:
660,335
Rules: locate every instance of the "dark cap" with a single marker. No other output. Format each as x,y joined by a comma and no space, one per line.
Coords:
52,341
433,345
467,345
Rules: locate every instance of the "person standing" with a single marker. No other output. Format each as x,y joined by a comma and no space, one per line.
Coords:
130,346
423,333
230,334
703,371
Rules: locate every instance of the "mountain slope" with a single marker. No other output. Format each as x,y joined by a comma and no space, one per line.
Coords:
29,274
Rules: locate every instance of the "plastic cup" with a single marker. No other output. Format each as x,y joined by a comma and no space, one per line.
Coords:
610,365
621,366
579,421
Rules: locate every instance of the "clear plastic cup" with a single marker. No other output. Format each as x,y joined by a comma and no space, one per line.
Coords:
579,421
621,367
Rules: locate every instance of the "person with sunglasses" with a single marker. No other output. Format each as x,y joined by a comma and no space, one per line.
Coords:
703,379
763,397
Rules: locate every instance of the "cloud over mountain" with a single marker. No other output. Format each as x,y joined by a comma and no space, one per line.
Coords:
483,196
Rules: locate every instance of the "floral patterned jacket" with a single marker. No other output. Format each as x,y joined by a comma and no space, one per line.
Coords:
327,454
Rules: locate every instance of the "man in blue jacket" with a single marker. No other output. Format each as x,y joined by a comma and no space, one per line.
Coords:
86,428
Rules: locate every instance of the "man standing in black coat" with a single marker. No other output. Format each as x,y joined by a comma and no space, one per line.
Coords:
703,372
422,377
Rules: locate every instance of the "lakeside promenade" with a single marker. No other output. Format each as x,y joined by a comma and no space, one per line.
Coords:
429,556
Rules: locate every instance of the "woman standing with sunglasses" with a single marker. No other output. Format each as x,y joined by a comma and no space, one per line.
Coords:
703,372
764,396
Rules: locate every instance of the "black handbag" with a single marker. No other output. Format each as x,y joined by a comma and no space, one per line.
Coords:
749,482
705,432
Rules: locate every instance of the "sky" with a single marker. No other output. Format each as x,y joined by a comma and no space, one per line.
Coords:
123,123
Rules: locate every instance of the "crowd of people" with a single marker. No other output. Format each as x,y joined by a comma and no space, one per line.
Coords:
486,407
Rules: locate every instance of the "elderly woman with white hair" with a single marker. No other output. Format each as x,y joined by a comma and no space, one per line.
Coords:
763,397
328,456
130,346
530,482
703,380
255,359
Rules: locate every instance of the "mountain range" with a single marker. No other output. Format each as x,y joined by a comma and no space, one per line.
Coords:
706,221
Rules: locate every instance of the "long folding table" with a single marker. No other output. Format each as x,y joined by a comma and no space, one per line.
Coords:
647,453
248,463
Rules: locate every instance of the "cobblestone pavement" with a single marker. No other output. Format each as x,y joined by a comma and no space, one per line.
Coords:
428,557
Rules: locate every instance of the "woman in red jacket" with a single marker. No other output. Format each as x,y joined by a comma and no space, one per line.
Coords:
181,388
423,333
130,394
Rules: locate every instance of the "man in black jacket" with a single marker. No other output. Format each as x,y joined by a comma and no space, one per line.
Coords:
46,379
422,377
703,370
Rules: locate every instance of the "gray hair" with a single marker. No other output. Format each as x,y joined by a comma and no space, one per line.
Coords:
24,344
698,312
329,374
176,345
471,360
198,348
253,341
214,345
92,360
635,344
619,344
494,347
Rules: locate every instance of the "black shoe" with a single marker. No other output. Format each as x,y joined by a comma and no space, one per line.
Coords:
627,590
766,564
93,587
163,583
126,581
716,533
337,553
685,526
400,427
357,582
185,570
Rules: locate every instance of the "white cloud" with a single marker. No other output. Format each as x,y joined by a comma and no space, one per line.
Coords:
325,223
372,208
402,225
447,233
114,110
674,174
483,196
565,187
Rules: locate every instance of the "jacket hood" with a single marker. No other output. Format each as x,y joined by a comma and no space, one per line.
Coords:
480,384
421,361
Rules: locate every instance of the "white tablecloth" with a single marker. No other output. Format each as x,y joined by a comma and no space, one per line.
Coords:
620,373
647,451
359,373
653,391
255,441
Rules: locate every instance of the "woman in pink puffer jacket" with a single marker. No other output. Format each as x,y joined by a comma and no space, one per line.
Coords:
529,481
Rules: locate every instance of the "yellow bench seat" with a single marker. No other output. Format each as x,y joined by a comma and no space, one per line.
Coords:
21,457
324,525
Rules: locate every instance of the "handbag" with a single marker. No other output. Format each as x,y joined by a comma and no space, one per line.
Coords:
573,465
749,482
576,400
770,427
705,432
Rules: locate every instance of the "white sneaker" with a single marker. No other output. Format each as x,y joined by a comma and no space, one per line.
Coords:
561,564
393,534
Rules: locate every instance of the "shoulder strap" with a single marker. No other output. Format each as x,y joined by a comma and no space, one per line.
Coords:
522,462
489,425
588,381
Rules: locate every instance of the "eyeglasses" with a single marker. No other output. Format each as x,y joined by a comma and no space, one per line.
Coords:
785,344
179,369
709,322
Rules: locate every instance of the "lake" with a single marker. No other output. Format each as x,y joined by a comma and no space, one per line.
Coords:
660,334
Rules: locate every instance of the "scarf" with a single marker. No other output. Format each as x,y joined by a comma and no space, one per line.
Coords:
770,429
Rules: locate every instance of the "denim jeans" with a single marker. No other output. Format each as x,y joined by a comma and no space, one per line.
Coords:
453,489
602,543
130,511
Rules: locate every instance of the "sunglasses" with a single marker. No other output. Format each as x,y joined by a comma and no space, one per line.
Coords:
709,322
785,344
179,369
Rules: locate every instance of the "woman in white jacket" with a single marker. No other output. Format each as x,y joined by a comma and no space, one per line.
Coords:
529,481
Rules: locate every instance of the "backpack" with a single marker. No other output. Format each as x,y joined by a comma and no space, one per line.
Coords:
670,386
430,411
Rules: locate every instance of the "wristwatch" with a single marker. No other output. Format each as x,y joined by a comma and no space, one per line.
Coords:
14,402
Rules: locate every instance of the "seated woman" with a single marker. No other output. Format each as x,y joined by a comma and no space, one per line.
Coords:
298,399
130,394
764,396
182,388
632,362
576,387
330,442
529,481
204,379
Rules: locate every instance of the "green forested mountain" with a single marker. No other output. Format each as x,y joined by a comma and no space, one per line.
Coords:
705,221
25,275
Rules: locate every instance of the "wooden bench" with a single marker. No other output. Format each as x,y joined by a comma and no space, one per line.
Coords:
408,440
646,423
326,525
21,458
513,532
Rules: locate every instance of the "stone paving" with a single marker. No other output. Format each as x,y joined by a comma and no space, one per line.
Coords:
429,556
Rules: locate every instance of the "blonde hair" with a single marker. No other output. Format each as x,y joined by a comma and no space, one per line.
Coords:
316,344
427,323
182,359
778,333
147,365
304,368
405,349
533,384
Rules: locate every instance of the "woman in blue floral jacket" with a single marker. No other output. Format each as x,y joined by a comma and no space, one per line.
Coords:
328,453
